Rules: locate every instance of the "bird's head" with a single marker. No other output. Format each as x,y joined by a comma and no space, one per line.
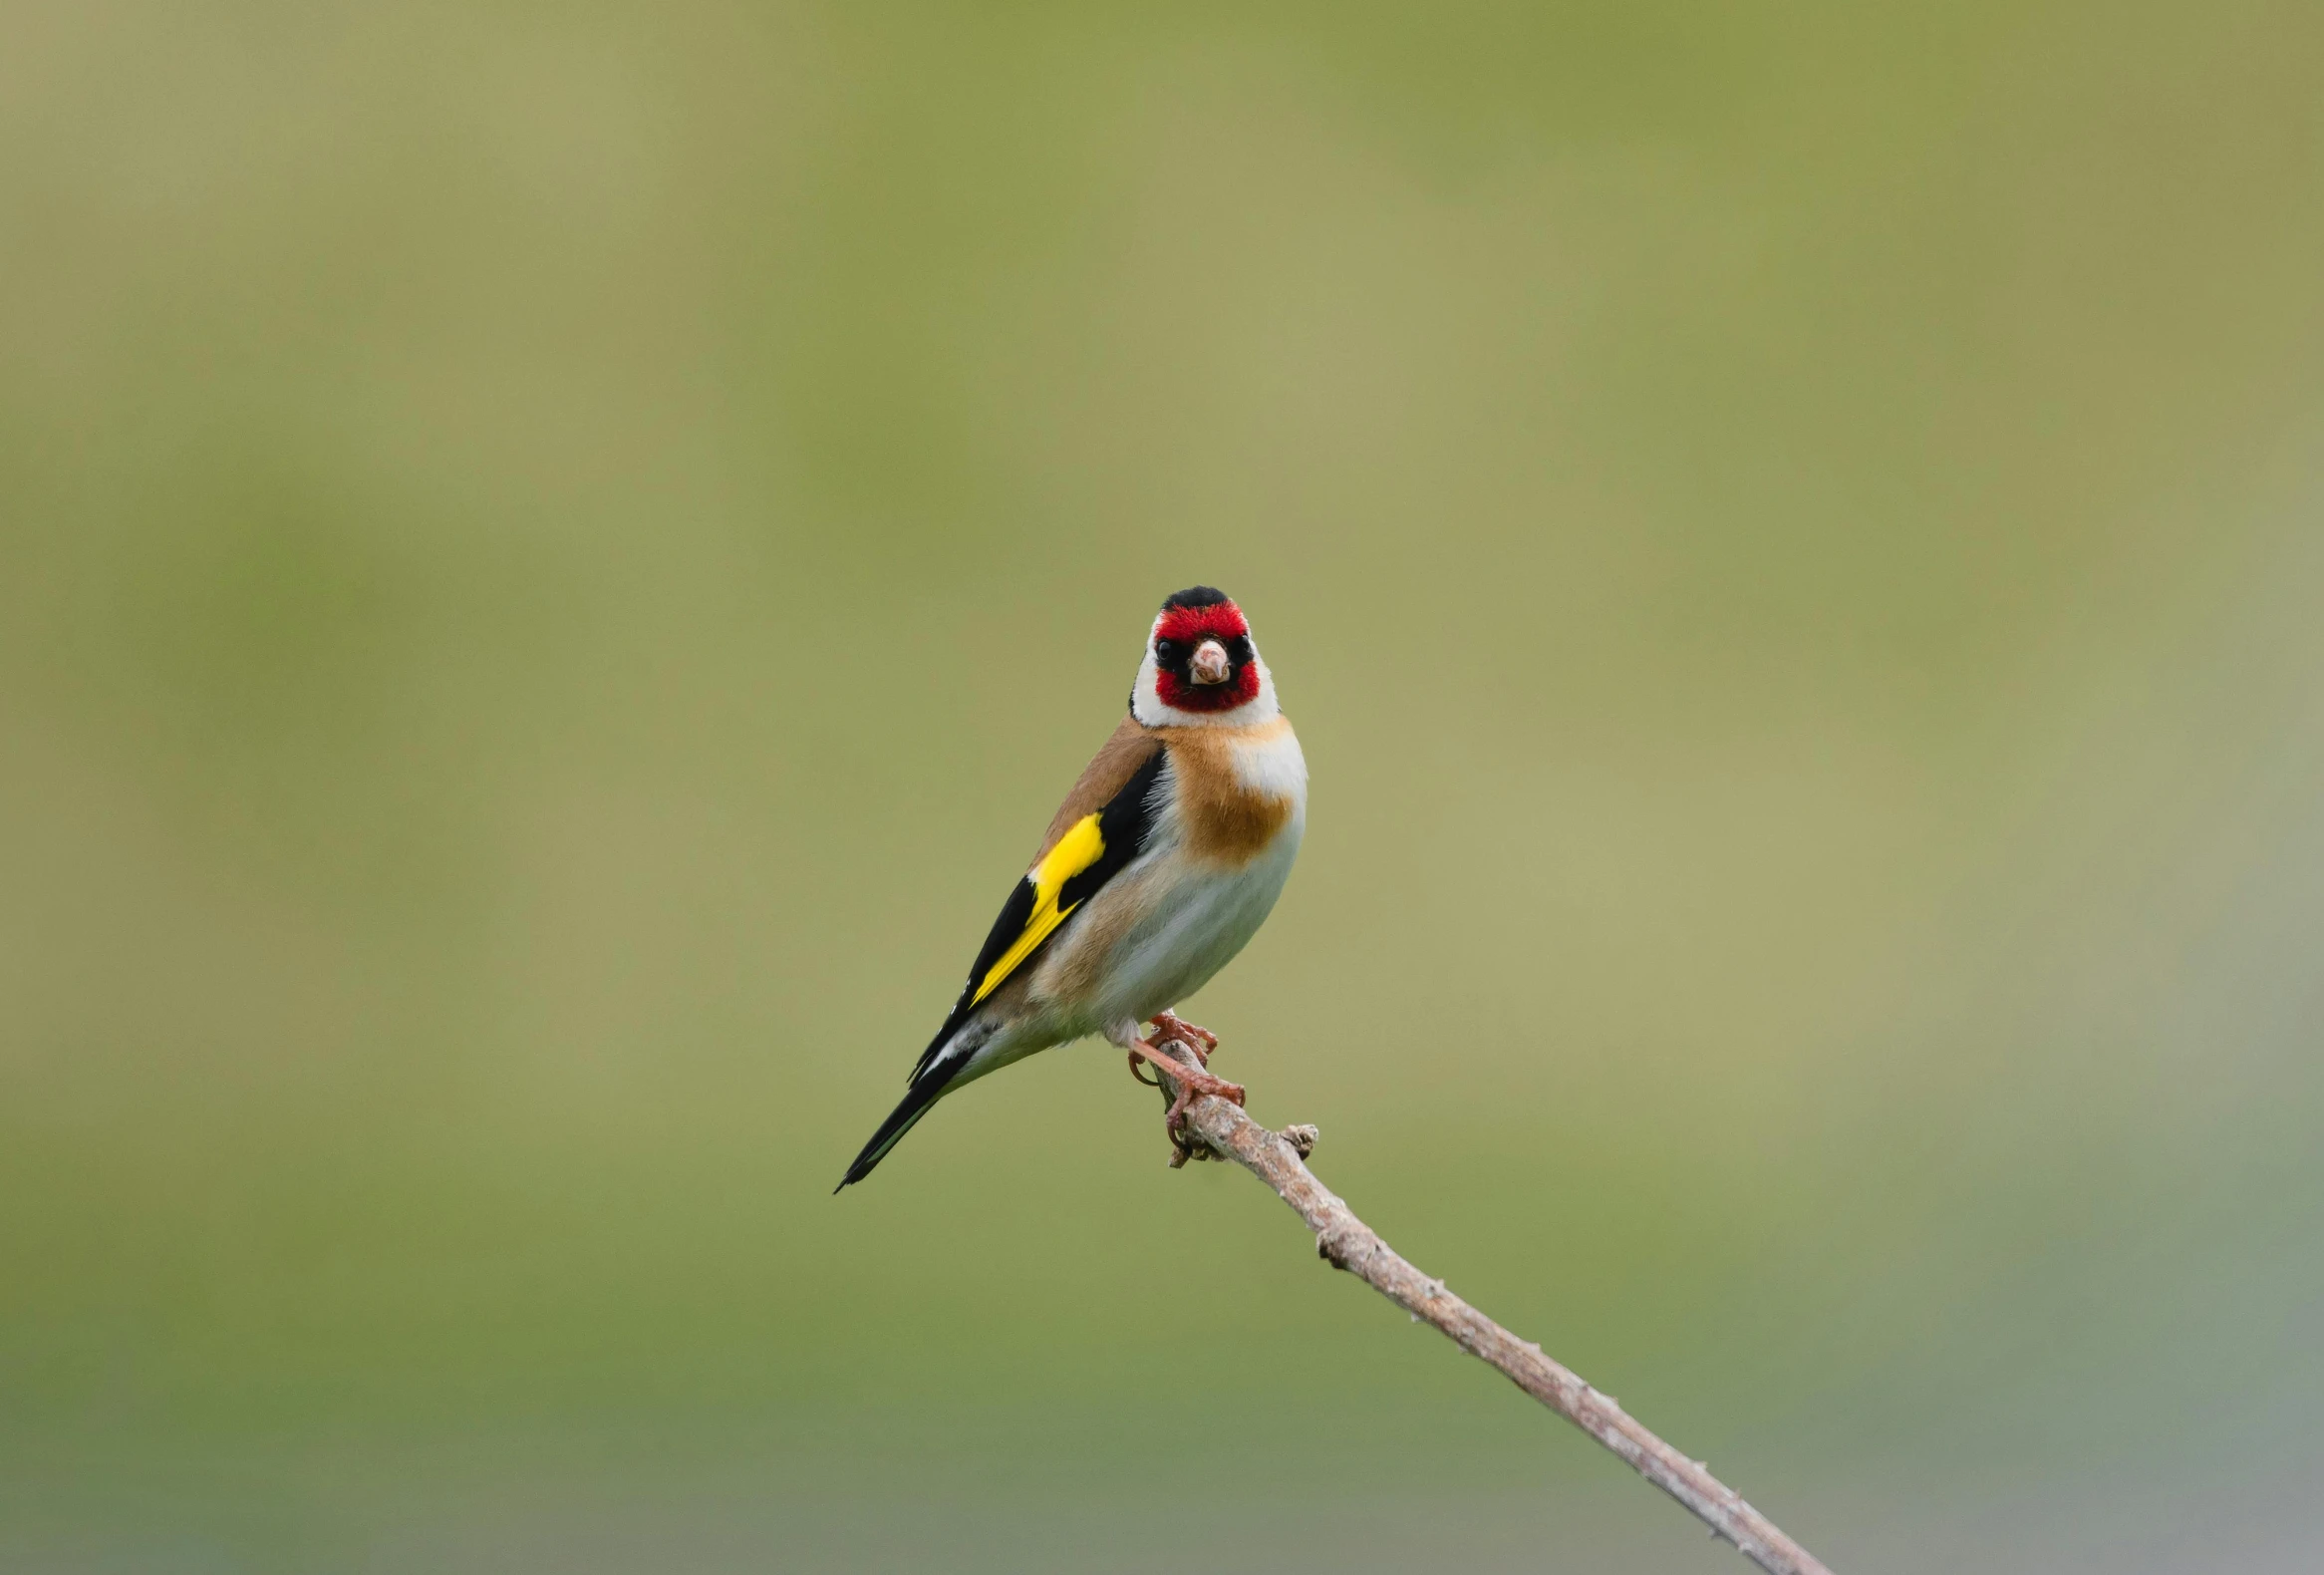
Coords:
1201,665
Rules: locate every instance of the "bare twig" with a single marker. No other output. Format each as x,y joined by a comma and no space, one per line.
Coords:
1346,1242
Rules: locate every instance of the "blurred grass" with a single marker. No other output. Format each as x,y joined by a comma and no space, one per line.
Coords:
552,563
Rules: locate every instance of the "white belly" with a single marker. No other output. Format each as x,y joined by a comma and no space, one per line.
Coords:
1200,918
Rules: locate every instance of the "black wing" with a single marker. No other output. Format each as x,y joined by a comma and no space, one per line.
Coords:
1091,852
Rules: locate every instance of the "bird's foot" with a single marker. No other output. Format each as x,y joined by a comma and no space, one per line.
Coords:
1169,1025
1184,1145
1193,1082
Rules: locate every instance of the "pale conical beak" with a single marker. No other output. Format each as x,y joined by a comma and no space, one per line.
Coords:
1210,664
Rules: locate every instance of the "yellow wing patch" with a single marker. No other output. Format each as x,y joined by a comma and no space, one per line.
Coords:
1080,847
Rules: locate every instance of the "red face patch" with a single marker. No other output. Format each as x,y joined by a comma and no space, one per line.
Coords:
1239,690
1219,621
1181,630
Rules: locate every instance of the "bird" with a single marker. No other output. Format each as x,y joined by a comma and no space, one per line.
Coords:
1163,861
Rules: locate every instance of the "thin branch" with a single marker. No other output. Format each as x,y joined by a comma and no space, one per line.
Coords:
1346,1242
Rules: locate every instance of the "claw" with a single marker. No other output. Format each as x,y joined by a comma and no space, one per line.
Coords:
1190,1080
1191,1085
1184,1083
1169,1025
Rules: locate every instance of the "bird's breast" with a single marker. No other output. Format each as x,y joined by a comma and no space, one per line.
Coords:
1236,790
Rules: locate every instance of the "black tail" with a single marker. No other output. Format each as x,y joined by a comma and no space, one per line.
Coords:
917,1099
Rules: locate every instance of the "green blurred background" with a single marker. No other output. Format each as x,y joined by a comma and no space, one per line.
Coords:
554,561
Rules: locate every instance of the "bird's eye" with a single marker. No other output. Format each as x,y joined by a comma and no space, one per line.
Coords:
1165,651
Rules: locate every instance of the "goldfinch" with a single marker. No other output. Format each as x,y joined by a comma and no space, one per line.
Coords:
1161,864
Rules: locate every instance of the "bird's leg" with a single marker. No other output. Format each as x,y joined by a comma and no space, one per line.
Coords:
1192,1081
1169,1025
